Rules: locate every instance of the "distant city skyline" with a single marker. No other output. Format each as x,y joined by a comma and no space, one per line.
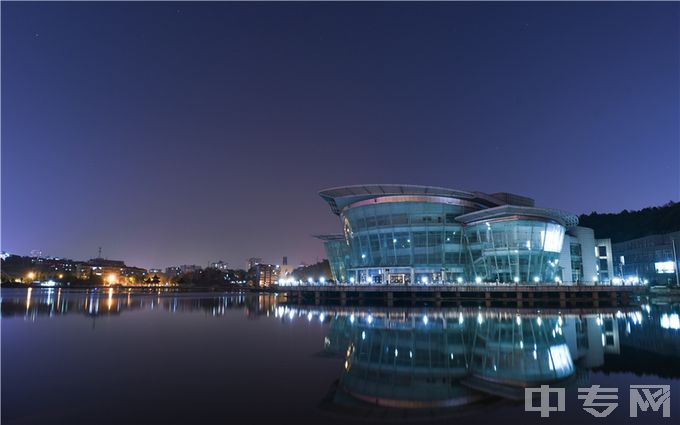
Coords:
177,133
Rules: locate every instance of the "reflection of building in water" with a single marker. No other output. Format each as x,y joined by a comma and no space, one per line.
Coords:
33,303
460,357
652,338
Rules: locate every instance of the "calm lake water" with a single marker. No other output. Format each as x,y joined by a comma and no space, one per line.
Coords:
116,357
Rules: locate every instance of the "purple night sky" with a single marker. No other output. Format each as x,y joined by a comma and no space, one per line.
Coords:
172,133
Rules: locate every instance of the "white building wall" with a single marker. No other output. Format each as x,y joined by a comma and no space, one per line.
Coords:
586,237
565,258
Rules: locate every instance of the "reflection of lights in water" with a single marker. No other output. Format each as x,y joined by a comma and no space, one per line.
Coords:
535,355
28,298
521,345
480,319
460,319
670,322
322,317
425,320
560,358
559,320
110,300
627,328
518,320
363,334
603,341
291,314
396,353
410,354
598,320
539,322
351,319
309,316
369,319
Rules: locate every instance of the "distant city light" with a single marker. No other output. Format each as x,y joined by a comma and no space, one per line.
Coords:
478,279
536,279
459,280
515,279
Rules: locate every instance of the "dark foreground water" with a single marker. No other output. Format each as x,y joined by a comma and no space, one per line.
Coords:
72,357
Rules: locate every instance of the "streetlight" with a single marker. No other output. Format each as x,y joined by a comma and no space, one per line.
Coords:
31,275
111,279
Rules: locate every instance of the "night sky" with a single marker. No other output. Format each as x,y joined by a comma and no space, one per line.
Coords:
173,133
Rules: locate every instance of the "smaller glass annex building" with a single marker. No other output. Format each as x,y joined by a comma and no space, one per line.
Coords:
412,235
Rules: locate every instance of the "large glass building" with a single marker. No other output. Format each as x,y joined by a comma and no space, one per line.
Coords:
414,235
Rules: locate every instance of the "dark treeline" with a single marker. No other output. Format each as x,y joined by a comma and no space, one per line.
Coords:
628,225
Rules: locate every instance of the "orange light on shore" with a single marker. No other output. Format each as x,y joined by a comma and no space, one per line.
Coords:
111,279
31,275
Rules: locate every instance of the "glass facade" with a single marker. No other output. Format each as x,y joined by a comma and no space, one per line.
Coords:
420,237
337,252
516,250
388,240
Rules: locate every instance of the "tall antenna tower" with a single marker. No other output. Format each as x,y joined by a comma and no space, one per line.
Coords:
99,255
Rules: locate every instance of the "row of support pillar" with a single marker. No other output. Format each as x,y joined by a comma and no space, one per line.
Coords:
521,298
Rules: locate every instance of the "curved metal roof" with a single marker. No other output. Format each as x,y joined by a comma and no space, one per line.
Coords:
339,197
567,219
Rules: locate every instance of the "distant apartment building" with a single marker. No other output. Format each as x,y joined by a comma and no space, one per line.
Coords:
651,258
173,271
111,271
176,271
286,270
265,275
219,265
252,261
